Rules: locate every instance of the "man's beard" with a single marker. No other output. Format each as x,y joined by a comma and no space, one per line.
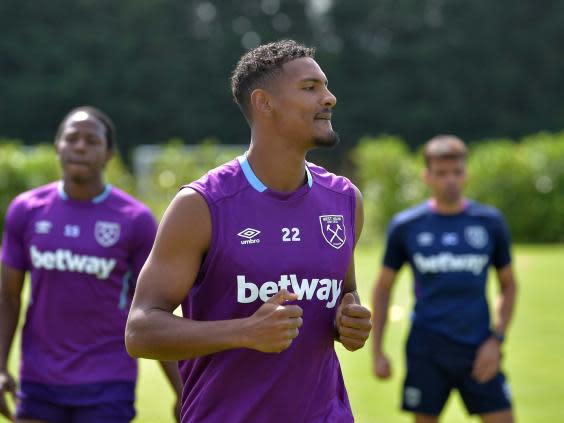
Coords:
329,141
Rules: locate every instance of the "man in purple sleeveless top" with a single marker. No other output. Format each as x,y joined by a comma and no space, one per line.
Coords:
259,252
84,243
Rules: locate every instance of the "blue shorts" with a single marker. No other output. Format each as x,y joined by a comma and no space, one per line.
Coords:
111,402
436,365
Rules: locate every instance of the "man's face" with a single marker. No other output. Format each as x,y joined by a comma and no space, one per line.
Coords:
446,178
83,148
302,103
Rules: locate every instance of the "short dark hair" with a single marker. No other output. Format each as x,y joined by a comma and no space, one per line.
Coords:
444,147
98,114
258,65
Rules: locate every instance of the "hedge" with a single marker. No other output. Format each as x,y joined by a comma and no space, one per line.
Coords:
524,179
178,164
23,168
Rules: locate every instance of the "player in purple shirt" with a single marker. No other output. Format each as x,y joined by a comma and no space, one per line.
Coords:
83,243
259,252
450,243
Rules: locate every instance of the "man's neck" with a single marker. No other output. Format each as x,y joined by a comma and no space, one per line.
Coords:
276,165
442,207
83,192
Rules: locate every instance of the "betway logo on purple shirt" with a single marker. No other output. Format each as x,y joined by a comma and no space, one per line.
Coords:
323,289
67,261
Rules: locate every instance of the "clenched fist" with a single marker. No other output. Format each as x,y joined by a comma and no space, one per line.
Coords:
7,385
353,323
274,326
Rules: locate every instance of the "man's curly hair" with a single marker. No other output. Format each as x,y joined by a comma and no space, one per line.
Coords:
260,64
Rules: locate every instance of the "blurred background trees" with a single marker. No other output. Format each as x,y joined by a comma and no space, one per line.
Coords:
411,68
160,68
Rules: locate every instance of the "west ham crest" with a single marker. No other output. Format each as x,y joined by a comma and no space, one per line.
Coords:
333,230
476,236
106,233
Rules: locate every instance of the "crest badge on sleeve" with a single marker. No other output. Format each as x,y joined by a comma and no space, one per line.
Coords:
106,233
333,230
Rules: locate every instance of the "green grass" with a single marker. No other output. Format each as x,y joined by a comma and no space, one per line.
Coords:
534,351
534,358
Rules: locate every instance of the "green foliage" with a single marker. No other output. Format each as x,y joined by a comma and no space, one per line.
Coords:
23,168
178,164
118,175
389,178
524,180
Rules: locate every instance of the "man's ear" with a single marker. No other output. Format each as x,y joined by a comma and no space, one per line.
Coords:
426,175
56,144
261,102
109,155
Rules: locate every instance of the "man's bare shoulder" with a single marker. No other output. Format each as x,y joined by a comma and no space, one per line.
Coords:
187,219
189,202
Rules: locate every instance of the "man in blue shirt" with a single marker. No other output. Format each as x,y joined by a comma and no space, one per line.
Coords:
449,242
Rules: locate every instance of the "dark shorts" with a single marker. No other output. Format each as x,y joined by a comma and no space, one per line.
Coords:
92,403
436,365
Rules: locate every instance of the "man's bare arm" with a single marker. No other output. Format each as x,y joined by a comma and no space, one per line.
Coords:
11,283
505,302
352,319
380,304
487,362
152,331
170,369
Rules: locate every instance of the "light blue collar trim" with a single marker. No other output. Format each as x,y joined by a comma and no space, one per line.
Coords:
255,182
96,200
105,194
250,175
309,177
61,190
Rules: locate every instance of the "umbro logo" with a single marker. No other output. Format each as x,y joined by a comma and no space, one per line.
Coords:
250,235
43,227
425,239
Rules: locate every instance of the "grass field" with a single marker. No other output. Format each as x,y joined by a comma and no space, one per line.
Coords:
534,351
534,359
